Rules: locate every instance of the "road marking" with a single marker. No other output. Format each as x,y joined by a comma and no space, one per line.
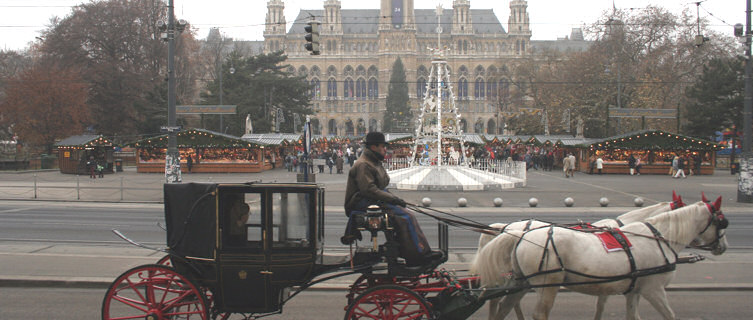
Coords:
719,185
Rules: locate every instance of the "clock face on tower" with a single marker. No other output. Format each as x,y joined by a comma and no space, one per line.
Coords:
397,13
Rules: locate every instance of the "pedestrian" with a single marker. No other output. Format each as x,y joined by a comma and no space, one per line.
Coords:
330,163
697,162
631,164
100,170
675,167
599,164
680,167
571,158
189,163
566,165
638,166
591,164
339,164
91,166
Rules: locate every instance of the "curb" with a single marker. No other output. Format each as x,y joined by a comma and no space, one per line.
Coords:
104,283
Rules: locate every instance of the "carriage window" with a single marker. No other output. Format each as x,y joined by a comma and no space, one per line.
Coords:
291,219
243,223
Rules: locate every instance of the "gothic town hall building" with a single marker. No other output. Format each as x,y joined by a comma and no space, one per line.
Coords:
359,47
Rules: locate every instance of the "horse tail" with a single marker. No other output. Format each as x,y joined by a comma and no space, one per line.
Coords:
483,239
493,262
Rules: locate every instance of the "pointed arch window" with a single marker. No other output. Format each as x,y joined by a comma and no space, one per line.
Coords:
316,89
348,89
332,88
361,89
462,89
491,90
479,88
421,88
373,89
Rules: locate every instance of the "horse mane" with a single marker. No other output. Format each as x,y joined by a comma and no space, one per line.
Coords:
643,213
676,225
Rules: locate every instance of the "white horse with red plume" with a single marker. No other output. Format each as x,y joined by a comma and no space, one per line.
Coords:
550,257
632,216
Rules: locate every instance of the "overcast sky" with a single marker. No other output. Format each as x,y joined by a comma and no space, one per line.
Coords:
21,20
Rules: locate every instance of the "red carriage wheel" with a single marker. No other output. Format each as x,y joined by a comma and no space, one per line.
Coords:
165,261
154,292
389,302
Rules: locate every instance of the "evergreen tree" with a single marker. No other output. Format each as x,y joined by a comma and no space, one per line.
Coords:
717,98
398,116
260,85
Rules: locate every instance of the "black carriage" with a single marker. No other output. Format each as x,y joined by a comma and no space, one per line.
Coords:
249,248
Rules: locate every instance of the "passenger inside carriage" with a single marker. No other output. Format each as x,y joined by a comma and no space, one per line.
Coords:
238,213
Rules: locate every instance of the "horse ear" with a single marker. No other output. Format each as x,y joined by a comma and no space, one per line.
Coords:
674,196
718,203
703,197
680,204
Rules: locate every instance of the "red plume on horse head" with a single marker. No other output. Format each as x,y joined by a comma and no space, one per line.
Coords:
676,201
718,203
703,197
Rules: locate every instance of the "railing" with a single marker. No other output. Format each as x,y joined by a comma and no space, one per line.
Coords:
514,169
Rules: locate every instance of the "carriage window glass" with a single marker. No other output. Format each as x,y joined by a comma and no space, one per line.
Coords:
243,224
291,219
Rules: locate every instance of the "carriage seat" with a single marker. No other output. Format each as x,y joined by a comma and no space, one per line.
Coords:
352,234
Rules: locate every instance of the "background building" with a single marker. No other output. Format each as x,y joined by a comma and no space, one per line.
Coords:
350,78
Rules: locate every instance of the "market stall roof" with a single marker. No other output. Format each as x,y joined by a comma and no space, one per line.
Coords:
196,138
274,139
85,140
653,140
538,139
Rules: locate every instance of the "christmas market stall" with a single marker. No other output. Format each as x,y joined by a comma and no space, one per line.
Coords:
276,146
202,151
653,151
83,153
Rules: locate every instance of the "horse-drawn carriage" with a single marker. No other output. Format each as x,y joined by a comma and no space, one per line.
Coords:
249,248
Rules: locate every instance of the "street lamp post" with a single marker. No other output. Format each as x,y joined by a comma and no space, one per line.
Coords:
745,178
172,157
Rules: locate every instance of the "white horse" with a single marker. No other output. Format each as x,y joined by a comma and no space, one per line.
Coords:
626,218
546,258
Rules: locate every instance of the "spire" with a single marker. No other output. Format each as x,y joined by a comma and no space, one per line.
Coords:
518,22
461,17
275,21
332,23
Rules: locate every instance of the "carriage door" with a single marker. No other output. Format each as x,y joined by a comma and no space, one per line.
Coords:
293,237
244,273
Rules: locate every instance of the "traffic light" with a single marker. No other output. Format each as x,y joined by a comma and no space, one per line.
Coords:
312,37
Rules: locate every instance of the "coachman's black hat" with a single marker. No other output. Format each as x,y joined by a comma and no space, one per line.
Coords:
374,138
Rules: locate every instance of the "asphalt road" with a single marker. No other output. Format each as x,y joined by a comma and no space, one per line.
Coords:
56,222
70,304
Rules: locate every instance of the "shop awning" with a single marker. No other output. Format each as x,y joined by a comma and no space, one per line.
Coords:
196,138
653,140
87,140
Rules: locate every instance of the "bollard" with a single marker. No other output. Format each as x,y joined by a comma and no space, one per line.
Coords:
638,202
604,201
78,188
569,202
121,188
533,202
426,202
497,202
35,186
462,202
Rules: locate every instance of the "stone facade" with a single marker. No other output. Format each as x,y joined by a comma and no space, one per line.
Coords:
350,78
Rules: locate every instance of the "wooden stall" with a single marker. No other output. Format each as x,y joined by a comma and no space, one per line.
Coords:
210,151
74,152
655,149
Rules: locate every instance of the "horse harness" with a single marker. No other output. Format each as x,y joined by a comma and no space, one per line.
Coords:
633,275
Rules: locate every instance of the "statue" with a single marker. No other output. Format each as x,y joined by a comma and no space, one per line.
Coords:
249,125
579,128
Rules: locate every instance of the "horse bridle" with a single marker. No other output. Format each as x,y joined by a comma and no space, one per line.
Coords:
716,218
